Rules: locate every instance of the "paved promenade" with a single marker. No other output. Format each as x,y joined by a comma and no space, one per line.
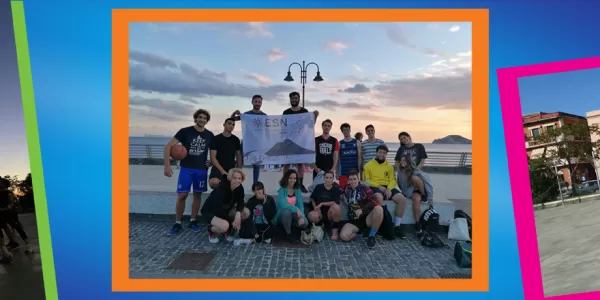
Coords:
22,279
153,254
568,240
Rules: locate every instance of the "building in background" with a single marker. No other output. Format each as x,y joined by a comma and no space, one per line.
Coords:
593,118
538,123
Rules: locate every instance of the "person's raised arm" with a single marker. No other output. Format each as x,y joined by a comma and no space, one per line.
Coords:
236,115
238,154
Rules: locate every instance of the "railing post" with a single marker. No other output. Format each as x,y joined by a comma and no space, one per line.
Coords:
148,152
463,159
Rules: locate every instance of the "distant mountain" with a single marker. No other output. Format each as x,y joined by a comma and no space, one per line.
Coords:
287,147
453,139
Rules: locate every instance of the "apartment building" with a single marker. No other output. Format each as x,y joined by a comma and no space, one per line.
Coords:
538,123
593,118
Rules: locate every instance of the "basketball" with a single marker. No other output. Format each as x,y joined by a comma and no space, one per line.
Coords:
178,152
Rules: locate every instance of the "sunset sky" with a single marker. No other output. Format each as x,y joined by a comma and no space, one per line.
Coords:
14,158
413,77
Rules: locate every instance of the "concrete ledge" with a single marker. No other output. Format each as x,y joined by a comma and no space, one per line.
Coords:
163,203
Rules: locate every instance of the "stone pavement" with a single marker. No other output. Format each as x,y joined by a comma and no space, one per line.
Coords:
568,242
152,251
22,279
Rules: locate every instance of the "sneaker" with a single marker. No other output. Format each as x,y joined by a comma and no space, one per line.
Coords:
229,238
418,229
335,234
213,238
399,233
12,246
267,241
303,189
175,229
194,226
371,242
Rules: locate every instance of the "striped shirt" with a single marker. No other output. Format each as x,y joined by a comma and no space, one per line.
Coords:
369,149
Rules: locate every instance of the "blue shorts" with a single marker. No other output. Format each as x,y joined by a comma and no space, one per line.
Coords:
189,178
394,192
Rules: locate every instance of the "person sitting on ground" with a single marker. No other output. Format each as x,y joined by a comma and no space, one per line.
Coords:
262,211
416,187
325,200
225,150
10,215
224,208
364,212
290,206
380,177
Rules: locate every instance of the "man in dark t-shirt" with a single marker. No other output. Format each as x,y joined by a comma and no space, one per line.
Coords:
297,109
193,168
327,150
225,150
416,152
256,106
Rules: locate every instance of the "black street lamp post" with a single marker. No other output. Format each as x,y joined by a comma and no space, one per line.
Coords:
303,68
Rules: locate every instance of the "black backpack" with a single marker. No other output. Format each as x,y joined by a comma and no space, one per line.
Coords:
386,229
430,219
431,240
463,254
461,214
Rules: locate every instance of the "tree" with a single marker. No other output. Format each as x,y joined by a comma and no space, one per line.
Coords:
543,181
570,144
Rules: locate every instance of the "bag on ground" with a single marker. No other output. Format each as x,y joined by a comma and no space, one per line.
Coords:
386,229
430,240
459,230
461,214
430,219
315,235
463,254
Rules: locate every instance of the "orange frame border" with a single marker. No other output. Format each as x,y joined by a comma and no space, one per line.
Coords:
120,147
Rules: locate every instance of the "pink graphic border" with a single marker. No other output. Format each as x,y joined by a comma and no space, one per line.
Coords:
508,86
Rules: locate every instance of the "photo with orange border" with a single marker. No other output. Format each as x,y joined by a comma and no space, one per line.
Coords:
120,145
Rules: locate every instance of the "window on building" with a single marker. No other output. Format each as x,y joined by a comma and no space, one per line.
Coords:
535,132
549,128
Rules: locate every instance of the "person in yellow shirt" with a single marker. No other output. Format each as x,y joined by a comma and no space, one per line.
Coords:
380,177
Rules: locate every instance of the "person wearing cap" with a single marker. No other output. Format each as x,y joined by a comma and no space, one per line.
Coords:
236,116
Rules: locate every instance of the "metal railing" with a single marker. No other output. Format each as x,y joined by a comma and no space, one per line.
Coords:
140,152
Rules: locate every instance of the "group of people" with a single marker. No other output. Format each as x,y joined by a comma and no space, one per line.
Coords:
356,173
9,222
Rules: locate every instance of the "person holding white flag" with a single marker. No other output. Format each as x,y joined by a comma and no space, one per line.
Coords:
297,109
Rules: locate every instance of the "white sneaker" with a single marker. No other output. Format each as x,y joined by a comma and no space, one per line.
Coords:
267,241
213,238
230,238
